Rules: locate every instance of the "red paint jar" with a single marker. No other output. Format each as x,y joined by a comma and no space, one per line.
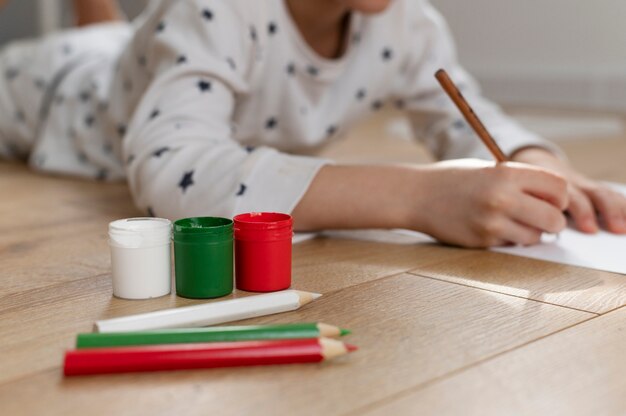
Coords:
263,251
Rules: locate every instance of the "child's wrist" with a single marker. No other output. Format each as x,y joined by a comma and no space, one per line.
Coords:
415,200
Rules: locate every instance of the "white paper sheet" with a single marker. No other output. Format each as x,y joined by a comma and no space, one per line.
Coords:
601,251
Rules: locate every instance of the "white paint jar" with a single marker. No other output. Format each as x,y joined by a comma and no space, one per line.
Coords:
140,257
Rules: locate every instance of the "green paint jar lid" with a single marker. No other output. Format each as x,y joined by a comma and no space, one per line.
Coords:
203,229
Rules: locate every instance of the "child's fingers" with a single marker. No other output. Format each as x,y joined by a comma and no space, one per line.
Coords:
520,234
538,214
610,205
582,211
547,186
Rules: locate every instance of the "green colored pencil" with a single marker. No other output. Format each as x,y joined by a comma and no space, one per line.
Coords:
211,334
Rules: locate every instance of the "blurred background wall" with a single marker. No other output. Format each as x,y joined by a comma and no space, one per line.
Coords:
566,53
549,53
27,18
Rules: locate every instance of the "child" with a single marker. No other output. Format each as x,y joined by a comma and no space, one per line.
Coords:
212,107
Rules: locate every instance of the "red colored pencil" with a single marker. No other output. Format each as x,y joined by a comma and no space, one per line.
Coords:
209,355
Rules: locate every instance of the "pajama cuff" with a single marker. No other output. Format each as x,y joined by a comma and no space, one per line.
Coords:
277,182
513,138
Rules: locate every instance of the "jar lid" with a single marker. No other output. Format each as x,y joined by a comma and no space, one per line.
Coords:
140,232
203,225
263,221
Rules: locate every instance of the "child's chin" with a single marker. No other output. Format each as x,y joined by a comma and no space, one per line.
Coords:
369,6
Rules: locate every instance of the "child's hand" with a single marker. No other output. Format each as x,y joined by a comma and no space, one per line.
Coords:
586,196
475,203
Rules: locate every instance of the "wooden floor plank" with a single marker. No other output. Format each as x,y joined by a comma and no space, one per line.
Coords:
410,330
579,371
58,283
574,287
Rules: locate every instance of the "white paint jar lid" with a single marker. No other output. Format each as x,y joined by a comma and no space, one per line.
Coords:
140,232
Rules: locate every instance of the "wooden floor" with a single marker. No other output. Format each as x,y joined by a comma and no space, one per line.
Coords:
442,331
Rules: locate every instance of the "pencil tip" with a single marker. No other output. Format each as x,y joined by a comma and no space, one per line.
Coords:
351,348
344,332
315,295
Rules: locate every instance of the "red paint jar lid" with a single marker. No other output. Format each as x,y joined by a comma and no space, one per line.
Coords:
263,226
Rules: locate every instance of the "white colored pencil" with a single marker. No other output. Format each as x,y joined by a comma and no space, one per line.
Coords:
210,313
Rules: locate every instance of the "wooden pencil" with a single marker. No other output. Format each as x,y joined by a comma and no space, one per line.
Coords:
457,97
212,313
211,334
192,356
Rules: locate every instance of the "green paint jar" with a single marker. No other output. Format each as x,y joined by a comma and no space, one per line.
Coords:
203,257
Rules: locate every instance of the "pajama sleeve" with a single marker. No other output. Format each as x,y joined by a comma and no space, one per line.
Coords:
182,159
435,119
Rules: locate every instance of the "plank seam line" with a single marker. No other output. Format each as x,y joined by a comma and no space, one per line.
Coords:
508,294
420,386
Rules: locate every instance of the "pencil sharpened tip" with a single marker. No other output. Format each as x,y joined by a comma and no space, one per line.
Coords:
344,332
351,348
316,295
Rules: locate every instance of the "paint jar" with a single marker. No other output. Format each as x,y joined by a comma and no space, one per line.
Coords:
140,257
263,251
203,257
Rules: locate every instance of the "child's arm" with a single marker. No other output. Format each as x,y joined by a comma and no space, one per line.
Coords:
465,202
440,125
182,158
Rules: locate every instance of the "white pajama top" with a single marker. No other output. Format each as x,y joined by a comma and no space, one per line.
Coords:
217,107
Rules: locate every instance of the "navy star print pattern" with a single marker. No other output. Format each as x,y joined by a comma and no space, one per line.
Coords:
387,54
299,102
85,96
204,85
186,181
121,130
311,70
207,14
102,175
271,123
159,152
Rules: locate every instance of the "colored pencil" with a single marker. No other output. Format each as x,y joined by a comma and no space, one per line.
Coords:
457,97
212,313
213,334
191,356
